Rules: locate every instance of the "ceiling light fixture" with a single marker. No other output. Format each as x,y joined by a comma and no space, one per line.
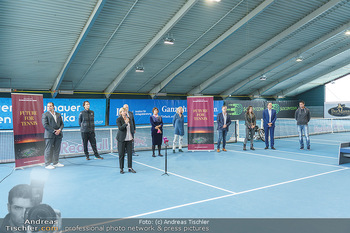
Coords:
299,59
347,32
169,41
263,78
215,0
5,90
66,92
139,68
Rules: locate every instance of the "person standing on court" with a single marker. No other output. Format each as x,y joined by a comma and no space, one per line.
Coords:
131,116
87,129
269,118
53,124
178,123
224,121
125,136
156,131
250,123
303,116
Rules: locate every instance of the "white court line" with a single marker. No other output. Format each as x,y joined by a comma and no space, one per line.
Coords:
234,194
294,160
183,177
312,155
321,156
312,142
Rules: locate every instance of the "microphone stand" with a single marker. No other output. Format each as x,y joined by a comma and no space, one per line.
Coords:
166,160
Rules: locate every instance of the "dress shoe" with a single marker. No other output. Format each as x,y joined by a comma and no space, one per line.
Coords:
173,151
273,148
160,155
132,170
87,158
218,150
252,148
154,155
224,149
98,157
266,148
121,171
301,148
244,147
181,150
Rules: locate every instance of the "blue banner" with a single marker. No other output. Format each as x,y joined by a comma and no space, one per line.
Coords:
6,113
68,108
142,109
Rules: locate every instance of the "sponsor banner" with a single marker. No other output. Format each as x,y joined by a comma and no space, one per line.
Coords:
6,113
71,108
68,108
200,123
28,130
142,109
237,108
337,109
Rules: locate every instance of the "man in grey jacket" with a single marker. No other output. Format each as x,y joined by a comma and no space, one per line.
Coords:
87,129
53,124
302,116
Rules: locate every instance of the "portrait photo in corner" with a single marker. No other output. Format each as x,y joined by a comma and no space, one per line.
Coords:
26,211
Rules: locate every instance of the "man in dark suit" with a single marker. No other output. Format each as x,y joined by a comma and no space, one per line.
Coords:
53,124
269,118
125,136
131,116
224,121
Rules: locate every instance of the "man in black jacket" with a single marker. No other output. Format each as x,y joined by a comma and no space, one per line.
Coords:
131,116
87,129
303,116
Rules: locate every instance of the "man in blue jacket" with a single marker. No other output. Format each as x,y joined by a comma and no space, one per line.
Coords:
269,118
224,122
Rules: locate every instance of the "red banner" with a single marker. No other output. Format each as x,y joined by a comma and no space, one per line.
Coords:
28,130
200,112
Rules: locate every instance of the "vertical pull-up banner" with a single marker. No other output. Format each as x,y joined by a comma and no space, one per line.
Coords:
200,112
28,130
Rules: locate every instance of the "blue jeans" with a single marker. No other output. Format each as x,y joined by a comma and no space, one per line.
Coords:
222,137
304,128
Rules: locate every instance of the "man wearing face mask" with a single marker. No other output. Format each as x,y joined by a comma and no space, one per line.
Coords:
87,129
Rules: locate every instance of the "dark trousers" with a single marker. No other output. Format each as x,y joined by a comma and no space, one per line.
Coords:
89,136
269,131
52,150
249,134
123,147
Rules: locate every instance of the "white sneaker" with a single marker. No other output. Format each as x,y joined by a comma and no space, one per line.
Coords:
50,167
58,165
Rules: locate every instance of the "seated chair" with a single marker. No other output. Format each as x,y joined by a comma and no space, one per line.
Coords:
344,153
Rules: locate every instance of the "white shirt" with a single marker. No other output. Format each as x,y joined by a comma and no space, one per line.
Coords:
54,116
128,136
225,117
270,113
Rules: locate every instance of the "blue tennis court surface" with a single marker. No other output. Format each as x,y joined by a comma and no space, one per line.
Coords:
287,183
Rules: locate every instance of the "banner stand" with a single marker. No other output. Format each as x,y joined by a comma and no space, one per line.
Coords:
28,131
200,110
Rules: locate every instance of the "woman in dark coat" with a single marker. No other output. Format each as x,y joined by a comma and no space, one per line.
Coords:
125,136
250,123
156,131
